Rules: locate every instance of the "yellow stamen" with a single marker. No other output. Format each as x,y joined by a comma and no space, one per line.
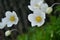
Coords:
12,18
38,19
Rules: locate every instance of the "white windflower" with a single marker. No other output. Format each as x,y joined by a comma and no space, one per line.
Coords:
11,18
37,18
38,5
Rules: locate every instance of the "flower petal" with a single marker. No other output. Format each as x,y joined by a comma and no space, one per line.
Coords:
31,17
31,8
14,13
40,13
16,21
32,2
33,24
9,24
7,13
44,7
1,25
4,20
41,23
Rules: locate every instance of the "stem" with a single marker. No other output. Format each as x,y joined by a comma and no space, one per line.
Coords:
13,30
54,4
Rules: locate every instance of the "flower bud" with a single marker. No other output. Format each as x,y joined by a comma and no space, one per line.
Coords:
7,33
49,10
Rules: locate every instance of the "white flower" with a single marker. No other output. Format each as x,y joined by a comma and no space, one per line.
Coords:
8,33
37,18
11,18
38,5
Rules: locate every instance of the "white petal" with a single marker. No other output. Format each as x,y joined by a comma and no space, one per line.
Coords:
8,13
41,23
40,13
31,17
16,21
14,13
2,25
7,22
31,8
33,24
44,7
4,20
32,2
9,25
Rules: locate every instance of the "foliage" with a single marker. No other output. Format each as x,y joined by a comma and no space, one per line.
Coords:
22,37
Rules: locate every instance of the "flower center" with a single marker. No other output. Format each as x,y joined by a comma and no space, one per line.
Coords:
12,18
38,19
